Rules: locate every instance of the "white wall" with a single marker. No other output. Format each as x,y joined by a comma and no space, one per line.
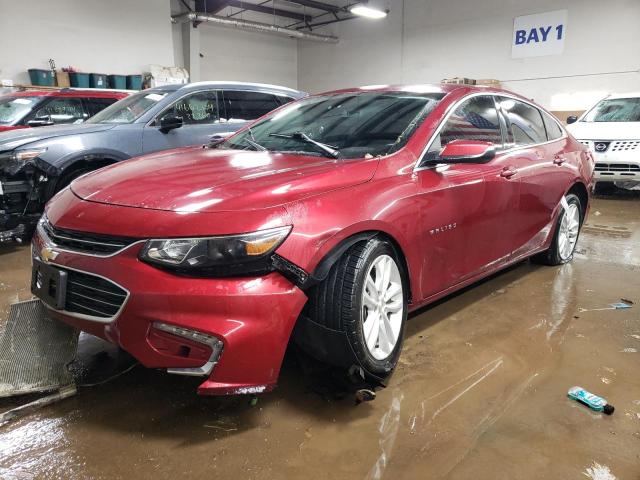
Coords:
230,54
429,40
421,41
115,36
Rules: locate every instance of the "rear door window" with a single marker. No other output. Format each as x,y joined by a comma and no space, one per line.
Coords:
242,105
526,126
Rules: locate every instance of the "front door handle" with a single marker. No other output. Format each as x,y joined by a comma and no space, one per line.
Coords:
508,172
559,160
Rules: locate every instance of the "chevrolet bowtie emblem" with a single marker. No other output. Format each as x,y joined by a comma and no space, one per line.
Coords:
47,254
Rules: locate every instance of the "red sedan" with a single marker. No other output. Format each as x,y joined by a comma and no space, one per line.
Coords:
39,108
323,223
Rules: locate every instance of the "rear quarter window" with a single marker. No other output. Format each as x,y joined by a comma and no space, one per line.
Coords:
554,131
525,122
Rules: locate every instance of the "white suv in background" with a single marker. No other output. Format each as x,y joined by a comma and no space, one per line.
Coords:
611,130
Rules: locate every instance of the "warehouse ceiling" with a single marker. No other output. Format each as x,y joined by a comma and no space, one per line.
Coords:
296,14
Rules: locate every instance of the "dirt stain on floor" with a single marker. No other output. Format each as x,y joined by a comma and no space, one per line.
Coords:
480,392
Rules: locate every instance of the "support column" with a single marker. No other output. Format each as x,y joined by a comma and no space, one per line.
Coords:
191,50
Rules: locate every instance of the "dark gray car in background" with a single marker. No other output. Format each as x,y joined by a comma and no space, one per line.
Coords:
37,163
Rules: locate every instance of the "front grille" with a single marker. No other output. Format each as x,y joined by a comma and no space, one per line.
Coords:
625,145
94,296
617,167
83,242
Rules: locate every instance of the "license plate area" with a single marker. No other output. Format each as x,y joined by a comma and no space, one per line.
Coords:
49,284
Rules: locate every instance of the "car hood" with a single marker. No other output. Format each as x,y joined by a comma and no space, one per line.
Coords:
197,179
17,138
605,130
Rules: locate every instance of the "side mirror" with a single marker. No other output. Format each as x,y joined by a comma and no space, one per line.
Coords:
40,122
170,122
216,139
571,119
467,151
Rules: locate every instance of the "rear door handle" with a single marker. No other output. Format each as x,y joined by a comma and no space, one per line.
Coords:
508,172
559,160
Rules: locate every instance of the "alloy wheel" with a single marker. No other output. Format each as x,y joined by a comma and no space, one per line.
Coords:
569,229
382,307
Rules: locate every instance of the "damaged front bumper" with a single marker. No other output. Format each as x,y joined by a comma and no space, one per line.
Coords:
232,331
23,193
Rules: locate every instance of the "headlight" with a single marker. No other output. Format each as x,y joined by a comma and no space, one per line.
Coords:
216,256
24,155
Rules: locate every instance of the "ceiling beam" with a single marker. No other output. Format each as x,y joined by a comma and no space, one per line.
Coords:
327,7
244,5
211,6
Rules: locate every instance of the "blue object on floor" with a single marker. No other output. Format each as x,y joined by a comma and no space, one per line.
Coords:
592,401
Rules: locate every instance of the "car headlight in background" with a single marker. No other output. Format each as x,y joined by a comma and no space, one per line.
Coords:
27,154
223,255
11,162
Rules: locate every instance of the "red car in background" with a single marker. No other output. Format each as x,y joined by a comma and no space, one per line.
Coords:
324,222
38,108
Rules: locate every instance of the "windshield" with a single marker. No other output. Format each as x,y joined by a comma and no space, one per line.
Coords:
347,125
129,109
13,109
615,110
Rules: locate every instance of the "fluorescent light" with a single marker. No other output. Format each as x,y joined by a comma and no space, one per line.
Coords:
364,11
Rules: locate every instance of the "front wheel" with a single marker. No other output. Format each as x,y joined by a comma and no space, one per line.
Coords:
566,234
365,297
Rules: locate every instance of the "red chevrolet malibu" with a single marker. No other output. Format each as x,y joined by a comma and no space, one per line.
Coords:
324,223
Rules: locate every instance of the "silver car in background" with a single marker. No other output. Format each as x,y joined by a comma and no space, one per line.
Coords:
37,163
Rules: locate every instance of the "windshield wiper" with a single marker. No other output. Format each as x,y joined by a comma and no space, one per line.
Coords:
252,141
254,144
330,149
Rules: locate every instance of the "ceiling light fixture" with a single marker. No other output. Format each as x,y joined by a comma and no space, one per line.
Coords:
368,12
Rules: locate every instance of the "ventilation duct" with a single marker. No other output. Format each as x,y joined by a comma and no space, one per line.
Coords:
253,26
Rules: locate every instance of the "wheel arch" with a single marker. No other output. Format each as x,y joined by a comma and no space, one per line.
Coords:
86,163
323,267
580,190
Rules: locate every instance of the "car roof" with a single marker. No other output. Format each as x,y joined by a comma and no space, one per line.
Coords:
444,88
240,85
70,92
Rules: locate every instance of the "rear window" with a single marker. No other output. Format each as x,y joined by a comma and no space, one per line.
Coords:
98,104
241,105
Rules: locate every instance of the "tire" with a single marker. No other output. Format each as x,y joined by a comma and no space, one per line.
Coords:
64,181
605,188
339,303
566,233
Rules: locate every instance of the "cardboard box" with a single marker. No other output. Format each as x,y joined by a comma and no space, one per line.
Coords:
489,82
62,79
459,80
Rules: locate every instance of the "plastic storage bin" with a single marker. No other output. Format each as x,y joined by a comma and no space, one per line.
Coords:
117,81
134,82
79,80
41,78
97,80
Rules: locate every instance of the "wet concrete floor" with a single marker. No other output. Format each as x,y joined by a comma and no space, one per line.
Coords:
480,391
